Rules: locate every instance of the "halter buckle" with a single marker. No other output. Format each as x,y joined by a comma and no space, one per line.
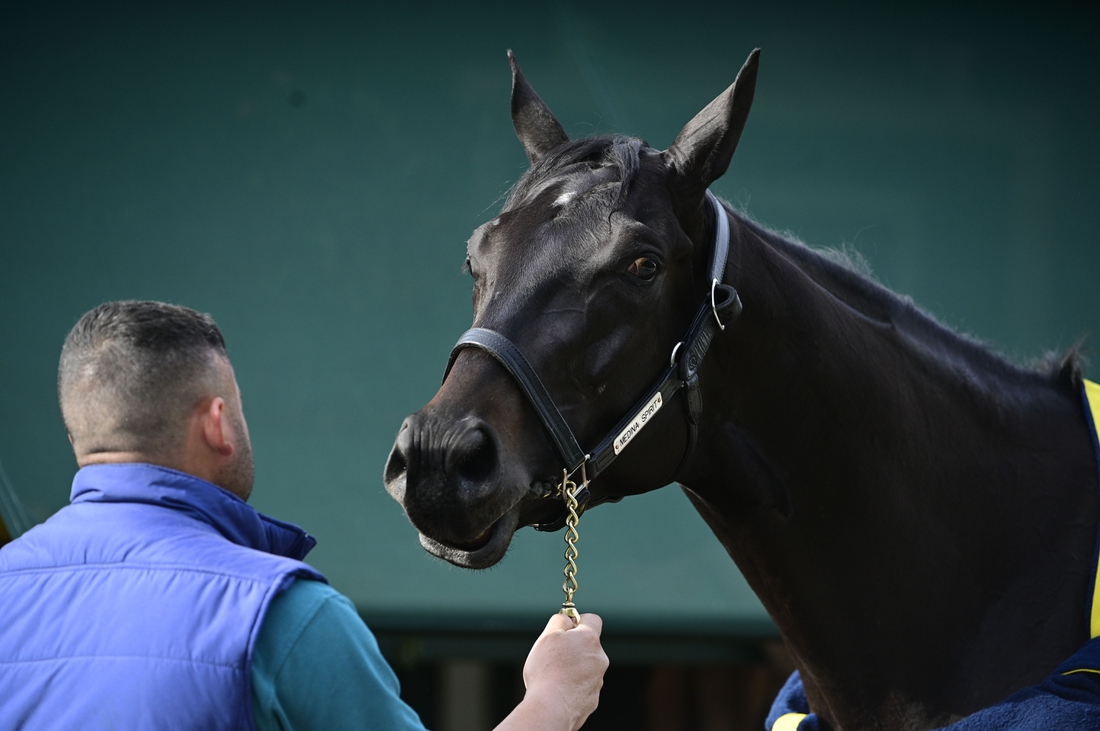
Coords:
675,349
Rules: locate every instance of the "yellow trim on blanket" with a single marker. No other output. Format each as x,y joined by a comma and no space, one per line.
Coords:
1081,670
1092,395
788,722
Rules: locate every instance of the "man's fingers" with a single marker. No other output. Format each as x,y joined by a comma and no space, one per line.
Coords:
593,621
558,622
562,622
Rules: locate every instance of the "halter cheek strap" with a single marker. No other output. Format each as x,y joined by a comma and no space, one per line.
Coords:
719,308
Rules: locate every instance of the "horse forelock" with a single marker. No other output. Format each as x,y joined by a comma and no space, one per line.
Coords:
565,197
622,155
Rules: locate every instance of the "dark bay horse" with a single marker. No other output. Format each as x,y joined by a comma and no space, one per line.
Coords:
917,515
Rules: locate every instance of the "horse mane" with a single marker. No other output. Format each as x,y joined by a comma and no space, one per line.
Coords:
847,275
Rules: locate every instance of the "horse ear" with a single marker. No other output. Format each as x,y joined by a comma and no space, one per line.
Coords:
703,149
537,128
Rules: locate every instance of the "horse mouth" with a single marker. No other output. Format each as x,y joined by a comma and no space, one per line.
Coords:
477,543
481,552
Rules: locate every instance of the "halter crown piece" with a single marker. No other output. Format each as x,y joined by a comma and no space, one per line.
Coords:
719,308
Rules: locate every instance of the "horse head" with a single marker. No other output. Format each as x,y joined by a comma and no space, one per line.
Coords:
593,270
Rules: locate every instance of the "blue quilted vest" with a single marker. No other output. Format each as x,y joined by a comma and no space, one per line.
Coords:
138,605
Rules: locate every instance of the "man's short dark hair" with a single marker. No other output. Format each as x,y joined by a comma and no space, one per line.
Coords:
131,372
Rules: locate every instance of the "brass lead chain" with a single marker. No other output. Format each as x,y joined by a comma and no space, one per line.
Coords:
569,491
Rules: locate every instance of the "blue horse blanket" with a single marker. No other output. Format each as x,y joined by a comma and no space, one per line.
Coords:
1068,700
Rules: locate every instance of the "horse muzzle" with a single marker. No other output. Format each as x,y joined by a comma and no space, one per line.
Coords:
448,476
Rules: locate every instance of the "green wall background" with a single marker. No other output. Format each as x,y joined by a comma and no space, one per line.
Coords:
308,173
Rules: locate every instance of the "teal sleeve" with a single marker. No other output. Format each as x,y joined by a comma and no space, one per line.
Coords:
317,666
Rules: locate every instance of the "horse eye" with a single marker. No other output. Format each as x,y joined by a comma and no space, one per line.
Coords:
643,268
466,267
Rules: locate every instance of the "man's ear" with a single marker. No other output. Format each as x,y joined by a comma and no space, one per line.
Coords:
216,431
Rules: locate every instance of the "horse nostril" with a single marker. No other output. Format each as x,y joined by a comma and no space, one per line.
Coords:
474,457
398,462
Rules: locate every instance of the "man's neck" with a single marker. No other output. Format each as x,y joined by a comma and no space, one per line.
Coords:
84,460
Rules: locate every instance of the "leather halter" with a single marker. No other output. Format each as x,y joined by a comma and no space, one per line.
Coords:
720,308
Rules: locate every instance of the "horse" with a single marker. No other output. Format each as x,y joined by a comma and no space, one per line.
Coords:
917,514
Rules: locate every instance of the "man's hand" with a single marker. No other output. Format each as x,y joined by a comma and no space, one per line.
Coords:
563,674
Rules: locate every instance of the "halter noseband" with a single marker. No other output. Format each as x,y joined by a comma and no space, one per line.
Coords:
717,310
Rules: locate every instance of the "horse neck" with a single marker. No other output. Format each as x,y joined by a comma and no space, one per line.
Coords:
898,497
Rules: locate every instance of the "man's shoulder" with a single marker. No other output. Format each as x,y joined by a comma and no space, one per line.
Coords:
303,600
307,605
115,536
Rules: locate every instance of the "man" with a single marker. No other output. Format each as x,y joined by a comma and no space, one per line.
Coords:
158,599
